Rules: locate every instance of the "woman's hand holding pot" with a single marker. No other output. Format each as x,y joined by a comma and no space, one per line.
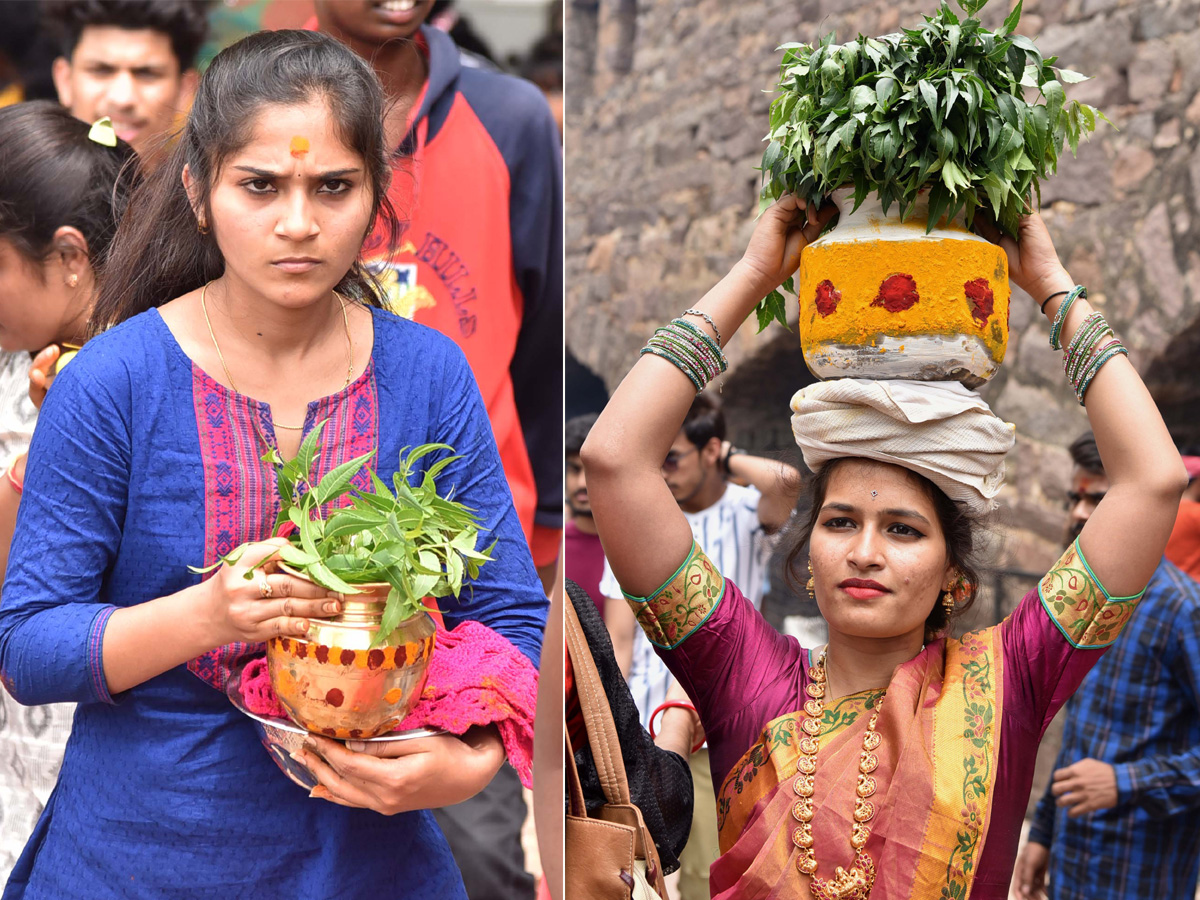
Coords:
1033,263
268,604
784,229
400,776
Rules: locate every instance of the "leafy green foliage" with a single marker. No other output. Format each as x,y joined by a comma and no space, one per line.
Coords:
977,117
406,535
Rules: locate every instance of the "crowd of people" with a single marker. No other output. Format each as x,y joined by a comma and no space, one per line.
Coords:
196,270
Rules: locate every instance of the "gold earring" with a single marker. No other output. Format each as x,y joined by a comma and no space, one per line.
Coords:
73,280
948,602
811,587
202,226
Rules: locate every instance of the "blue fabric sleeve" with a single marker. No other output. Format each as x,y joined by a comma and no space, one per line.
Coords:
507,596
518,119
1166,785
68,531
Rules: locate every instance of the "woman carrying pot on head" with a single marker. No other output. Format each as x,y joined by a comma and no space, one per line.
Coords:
893,757
64,186
235,316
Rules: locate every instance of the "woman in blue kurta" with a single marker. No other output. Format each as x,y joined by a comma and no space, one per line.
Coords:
147,458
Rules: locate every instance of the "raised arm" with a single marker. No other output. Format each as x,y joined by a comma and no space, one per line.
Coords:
1123,540
645,536
778,483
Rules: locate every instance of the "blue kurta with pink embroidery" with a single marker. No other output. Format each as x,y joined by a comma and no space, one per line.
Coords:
141,465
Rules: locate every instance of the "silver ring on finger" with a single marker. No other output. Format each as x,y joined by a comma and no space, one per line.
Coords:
264,587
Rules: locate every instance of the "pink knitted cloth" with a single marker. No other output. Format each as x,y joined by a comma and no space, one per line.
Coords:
476,677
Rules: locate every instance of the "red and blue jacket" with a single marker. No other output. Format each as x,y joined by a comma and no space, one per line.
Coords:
478,186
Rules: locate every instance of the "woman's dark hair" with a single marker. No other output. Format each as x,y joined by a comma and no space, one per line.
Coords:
52,174
958,528
184,22
159,253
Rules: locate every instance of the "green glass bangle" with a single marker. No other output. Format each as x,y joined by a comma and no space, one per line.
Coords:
1060,316
1099,364
1085,341
683,323
662,354
701,364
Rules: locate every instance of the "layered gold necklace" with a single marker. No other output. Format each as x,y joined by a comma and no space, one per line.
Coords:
229,378
856,882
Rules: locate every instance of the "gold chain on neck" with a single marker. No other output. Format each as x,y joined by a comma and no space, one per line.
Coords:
229,378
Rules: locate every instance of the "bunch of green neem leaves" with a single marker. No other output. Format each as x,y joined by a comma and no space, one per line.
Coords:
408,536
948,106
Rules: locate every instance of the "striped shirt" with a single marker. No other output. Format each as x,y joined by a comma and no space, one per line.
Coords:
1138,710
731,535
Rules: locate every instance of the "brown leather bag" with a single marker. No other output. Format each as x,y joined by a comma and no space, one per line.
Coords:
603,853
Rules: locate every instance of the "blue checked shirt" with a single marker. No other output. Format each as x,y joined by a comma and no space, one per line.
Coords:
1139,710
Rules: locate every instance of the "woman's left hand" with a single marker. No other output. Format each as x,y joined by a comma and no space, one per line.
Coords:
784,229
400,776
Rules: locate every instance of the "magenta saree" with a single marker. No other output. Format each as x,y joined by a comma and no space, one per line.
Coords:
960,729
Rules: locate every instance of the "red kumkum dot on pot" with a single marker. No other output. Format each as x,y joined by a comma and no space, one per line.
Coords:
347,657
828,297
897,293
375,659
322,653
301,649
335,697
980,299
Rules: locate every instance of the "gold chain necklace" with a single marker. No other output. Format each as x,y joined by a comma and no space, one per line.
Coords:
229,378
856,883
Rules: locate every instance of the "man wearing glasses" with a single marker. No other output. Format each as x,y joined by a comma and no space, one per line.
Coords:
736,504
1121,816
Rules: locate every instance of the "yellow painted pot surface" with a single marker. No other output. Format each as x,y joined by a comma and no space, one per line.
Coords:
882,299
336,684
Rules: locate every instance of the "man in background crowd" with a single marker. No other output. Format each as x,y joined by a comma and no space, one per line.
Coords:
477,178
1121,816
131,60
1183,548
736,505
584,555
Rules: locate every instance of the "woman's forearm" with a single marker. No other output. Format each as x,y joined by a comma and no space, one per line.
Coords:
644,534
1125,536
778,483
150,638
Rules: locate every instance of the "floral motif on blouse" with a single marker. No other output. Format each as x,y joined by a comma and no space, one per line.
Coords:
1079,605
681,605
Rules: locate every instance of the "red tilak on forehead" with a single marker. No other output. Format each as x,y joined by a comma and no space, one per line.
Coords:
299,146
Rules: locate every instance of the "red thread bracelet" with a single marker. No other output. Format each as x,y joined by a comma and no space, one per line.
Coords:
673,704
14,480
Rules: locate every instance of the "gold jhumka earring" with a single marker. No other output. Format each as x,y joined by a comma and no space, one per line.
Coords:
811,587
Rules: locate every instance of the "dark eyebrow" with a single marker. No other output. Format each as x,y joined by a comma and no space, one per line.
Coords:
891,513
321,176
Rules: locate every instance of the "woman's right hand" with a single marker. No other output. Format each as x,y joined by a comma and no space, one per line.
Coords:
784,229
41,373
268,604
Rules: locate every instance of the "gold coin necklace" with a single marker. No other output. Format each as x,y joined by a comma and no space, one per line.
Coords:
229,378
856,882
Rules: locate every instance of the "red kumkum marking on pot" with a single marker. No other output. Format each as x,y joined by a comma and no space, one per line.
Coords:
322,653
828,297
375,659
980,299
335,697
301,649
347,657
897,293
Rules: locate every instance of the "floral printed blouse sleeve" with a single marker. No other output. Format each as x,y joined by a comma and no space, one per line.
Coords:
68,531
713,640
1060,631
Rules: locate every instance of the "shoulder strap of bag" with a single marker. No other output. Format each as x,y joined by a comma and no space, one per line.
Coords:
597,716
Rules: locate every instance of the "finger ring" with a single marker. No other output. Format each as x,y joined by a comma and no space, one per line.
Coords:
264,587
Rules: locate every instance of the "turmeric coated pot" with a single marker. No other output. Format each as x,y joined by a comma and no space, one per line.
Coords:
880,298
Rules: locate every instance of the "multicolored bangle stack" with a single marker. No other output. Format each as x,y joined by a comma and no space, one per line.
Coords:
690,350
1093,345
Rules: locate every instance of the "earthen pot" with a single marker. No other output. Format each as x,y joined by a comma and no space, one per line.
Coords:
334,683
882,299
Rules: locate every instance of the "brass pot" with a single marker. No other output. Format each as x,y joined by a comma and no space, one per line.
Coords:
334,683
